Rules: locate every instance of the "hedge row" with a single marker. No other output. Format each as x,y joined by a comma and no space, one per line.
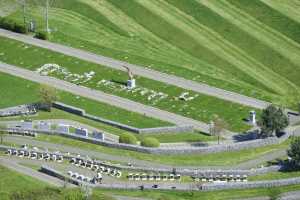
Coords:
150,142
128,138
43,35
12,25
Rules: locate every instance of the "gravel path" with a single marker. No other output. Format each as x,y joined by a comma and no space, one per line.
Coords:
103,97
141,71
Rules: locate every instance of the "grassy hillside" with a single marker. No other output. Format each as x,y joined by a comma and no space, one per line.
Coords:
251,47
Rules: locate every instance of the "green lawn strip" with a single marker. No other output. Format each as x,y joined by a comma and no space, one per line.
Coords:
214,159
201,108
211,195
12,181
33,166
27,92
179,137
270,17
162,137
252,46
275,175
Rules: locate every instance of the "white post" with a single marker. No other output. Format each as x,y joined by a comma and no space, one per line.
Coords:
24,12
253,117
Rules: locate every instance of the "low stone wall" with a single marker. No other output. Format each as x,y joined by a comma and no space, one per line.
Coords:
176,186
68,108
59,175
254,184
81,112
166,150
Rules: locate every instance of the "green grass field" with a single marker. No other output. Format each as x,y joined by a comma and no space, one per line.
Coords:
201,108
251,47
275,175
212,195
12,181
15,186
28,93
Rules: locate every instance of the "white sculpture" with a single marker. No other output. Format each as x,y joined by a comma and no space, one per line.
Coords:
131,81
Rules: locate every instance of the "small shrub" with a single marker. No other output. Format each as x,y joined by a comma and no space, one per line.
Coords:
42,35
18,28
150,142
7,24
11,25
127,138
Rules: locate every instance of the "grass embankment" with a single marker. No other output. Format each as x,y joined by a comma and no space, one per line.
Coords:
214,159
15,186
191,39
213,195
15,91
30,89
201,108
275,175
13,183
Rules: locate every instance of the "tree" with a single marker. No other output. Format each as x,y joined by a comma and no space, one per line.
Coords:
218,127
273,120
48,95
294,151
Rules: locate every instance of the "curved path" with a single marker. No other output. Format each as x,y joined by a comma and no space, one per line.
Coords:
139,70
103,97
19,140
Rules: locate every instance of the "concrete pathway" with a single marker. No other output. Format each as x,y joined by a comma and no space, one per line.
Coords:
139,70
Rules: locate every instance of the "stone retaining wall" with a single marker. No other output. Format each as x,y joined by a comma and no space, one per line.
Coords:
254,184
59,175
81,112
183,186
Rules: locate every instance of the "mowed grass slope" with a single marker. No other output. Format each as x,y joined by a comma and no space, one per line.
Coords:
250,47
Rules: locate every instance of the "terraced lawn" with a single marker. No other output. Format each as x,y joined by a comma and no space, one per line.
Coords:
26,185
149,92
214,159
275,175
27,92
212,195
12,181
16,186
251,47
